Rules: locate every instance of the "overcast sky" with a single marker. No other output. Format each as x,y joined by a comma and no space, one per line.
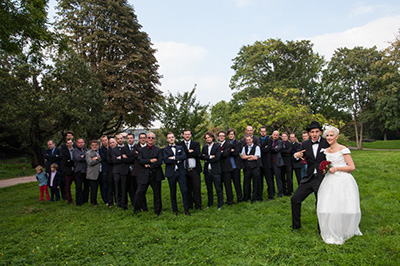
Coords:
197,40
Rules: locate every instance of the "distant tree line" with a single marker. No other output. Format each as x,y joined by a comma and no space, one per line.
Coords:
96,73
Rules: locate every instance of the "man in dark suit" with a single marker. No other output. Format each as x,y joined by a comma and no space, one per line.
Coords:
249,132
193,169
128,182
67,163
251,154
211,154
105,168
80,173
287,170
111,192
311,150
237,163
173,157
53,156
136,167
266,171
277,161
120,170
226,166
150,174
296,164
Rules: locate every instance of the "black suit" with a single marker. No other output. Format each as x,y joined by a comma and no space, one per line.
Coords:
56,184
120,170
310,183
238,163
277,163
226,168
55,156
69,174
193,178
135,174
176,173
296,164
152,175
252,172
287,170
212,174
111,192
128,182
266,169
105,168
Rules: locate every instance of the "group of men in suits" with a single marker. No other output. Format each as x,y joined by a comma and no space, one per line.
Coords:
127,169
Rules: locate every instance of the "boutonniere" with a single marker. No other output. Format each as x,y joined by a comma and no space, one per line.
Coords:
223,148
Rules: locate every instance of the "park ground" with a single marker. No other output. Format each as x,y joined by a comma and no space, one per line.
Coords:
34,232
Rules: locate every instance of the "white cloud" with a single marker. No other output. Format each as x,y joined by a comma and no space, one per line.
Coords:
174,56
363,10
378,32
242,3
183,65
210,88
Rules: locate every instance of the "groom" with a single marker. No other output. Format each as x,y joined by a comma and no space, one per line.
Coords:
311,150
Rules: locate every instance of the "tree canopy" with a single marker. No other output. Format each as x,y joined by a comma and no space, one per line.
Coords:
266,65
106,34
181,112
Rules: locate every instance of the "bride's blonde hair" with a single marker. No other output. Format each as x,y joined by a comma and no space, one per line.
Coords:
328,128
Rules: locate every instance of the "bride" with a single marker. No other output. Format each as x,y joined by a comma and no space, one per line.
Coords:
338,206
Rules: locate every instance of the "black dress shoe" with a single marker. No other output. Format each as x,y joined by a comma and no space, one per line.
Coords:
176,213
187,213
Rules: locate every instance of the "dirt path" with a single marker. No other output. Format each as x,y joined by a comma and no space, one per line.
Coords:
15,181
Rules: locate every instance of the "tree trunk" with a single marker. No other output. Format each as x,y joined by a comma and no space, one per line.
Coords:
385,135
37,156
356,129
361,135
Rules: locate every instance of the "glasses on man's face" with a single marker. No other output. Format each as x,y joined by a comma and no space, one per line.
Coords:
151,137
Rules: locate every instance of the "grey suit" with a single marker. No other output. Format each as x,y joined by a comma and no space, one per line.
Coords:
92,175
93,166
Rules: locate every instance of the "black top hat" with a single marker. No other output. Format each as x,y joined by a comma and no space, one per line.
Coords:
314,124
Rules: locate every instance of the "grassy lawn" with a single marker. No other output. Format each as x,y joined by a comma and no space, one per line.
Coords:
380,144
15,168
243,234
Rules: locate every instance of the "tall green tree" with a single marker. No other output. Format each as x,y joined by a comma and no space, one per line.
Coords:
107,35
220,115
349,72
279,112
385,110
68,95
22,23
183,111
263,66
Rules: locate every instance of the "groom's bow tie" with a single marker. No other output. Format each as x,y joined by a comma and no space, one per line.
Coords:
316,142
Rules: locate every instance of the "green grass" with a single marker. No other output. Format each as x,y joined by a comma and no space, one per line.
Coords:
243,234
380,144
15,168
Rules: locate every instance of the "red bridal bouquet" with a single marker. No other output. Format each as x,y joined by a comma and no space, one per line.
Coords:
324,166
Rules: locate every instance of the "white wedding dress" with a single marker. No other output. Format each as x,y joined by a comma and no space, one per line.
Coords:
338,206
